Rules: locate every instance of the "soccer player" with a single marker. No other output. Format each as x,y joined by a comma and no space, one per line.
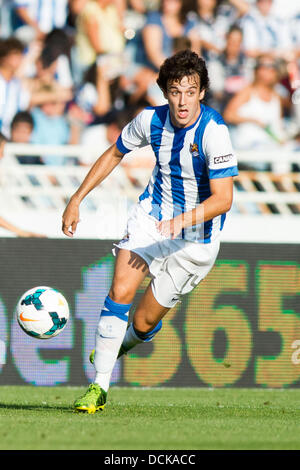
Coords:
173,233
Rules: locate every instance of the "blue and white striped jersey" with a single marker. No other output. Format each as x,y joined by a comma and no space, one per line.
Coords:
49,14
265,33
13,98
186,159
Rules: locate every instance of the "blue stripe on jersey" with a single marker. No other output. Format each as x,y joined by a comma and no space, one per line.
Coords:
223,217
176,170
120,146
223,172
145,194
157,126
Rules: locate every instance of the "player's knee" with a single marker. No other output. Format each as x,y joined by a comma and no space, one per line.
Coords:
121,293
148,335
143,325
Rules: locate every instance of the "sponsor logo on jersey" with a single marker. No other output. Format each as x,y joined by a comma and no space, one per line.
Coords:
223,158
194,150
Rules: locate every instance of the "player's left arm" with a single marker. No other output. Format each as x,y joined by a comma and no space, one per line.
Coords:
218,203
221,168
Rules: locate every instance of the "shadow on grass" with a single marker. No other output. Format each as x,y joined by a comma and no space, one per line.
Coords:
36,407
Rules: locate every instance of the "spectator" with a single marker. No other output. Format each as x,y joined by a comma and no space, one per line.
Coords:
94,97
152,44
35,18
3,222
75,8
294,70
160,30
228,73
214,19
21,128
5,18
21,132
264,32
104,135
59,43
144,6
51,127
3,141
43,86
48,61
294,24
14,95
256,111
99,35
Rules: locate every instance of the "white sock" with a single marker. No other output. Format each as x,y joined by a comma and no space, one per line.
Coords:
109,336
132,337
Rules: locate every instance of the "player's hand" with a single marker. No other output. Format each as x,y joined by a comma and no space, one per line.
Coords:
170,228
70,218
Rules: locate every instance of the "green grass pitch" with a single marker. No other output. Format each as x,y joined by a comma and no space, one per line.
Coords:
42,418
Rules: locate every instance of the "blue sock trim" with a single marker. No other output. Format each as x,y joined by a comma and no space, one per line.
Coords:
150,335
122,316
114,309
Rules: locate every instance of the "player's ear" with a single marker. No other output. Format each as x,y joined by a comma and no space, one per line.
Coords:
202,94
164,93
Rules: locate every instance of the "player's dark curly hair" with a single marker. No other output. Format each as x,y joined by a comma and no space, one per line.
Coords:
182,64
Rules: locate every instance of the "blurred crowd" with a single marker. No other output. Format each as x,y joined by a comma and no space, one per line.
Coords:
76,71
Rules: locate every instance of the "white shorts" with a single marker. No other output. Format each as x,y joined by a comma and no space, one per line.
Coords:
176,266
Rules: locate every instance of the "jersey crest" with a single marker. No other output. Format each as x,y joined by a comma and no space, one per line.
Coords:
194,150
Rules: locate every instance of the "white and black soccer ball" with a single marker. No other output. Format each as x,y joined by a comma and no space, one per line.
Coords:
42,312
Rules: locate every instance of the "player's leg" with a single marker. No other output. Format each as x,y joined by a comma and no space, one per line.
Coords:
147,322
130,270
179,275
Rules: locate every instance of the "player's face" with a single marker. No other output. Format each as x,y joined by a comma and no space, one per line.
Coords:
184,100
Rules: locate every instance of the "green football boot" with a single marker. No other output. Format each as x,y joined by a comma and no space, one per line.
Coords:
93,400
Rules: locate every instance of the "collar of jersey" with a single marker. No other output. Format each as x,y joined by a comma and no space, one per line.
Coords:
185,129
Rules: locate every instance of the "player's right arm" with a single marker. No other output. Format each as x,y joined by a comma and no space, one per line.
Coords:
135,134
99,171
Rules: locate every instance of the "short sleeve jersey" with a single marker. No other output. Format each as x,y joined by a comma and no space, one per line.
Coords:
186,159
49,14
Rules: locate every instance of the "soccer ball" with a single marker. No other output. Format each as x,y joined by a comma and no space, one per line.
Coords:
42,312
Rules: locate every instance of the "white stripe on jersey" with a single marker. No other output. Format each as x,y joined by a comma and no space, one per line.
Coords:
164,158
13,98
49,14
